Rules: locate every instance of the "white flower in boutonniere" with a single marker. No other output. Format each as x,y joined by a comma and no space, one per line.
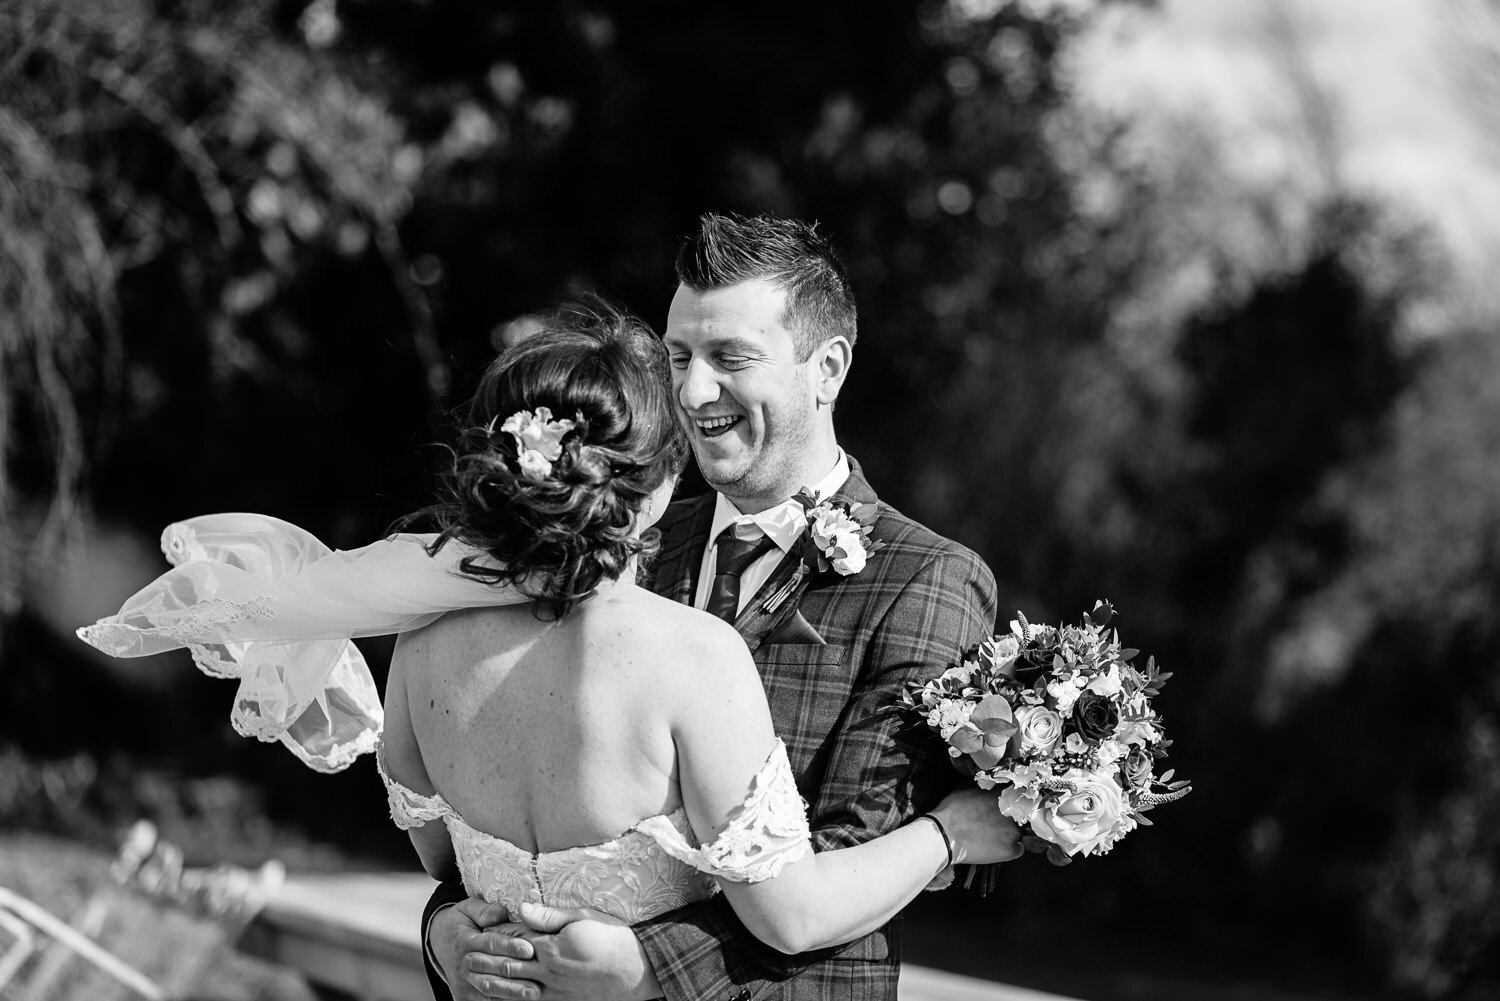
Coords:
837,538
839,533
538,439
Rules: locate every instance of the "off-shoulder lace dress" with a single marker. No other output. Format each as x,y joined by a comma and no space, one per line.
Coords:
263,601
656,866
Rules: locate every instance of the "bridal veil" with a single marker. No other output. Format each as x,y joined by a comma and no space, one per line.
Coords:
260,600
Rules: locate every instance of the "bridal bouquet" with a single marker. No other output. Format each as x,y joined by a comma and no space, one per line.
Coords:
1060,721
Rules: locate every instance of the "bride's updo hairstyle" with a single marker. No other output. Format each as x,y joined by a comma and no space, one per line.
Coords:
555,533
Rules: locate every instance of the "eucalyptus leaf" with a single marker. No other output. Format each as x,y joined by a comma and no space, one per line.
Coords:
995,727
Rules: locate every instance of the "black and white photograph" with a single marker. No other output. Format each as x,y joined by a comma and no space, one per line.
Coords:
582,500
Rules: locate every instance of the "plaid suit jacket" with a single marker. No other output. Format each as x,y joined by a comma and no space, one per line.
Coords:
834,658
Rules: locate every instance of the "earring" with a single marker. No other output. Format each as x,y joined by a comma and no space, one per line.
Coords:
650,506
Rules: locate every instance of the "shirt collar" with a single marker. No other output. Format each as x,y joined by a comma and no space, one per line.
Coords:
785,522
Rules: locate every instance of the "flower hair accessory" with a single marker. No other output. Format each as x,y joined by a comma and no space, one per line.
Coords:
538,439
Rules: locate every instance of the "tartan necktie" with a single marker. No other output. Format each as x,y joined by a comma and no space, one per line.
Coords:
732,558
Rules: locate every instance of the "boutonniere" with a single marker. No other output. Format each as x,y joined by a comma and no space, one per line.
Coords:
837,538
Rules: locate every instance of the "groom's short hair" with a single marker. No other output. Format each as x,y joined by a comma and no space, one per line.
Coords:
789,253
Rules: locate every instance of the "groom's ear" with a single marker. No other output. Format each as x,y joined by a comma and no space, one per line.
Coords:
834,358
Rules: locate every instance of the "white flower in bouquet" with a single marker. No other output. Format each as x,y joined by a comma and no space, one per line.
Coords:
1111,751
963,673
1019,805
1064,694
1108,683
1084,820
950,714
1038,730
1001,653
1138,732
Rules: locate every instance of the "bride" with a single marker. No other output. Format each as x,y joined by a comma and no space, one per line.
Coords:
551,730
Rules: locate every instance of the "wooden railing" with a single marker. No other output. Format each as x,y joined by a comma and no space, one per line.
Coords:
358,933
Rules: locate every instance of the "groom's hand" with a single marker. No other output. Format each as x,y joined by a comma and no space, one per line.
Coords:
582,955
465,939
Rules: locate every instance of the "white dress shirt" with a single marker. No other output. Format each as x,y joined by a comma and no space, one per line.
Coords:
784,523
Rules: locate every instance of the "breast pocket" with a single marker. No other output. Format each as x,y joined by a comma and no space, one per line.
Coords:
807,686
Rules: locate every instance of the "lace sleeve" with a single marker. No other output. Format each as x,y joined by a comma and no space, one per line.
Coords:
260,600
766,833
409,808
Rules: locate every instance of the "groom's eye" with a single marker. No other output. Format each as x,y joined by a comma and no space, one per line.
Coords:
733,361
679,361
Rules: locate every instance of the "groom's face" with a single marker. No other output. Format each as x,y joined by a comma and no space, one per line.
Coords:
744,399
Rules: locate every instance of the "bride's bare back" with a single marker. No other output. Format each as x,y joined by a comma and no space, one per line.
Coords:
549,734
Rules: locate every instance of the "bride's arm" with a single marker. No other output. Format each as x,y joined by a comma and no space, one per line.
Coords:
724,736
402,759
435,849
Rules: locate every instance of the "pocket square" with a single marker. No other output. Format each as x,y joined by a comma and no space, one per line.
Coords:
795,629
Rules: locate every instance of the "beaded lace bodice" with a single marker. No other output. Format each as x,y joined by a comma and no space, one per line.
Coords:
656,866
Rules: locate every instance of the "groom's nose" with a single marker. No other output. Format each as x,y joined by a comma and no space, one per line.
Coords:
699,387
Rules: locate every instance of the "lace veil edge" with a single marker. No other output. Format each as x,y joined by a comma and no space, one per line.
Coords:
263,601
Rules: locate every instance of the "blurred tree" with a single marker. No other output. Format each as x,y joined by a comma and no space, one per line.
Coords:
1286,368
205,303
173,180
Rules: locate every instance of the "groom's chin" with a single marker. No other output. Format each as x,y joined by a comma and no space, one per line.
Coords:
716,477
718,472
718,459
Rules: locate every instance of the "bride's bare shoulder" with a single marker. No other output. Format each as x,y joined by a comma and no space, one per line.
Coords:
679,634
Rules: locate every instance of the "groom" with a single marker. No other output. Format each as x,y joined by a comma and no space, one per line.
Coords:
761,333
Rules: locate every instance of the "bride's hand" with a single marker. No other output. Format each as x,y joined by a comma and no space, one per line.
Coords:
979,833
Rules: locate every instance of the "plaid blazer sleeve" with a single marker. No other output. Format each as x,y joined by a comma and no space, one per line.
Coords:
928,603
880,774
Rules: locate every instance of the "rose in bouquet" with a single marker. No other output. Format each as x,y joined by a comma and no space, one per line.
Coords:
1060,721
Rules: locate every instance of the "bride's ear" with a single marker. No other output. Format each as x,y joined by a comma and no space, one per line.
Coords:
834,358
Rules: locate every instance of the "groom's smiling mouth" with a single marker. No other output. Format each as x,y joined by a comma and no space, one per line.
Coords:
713,427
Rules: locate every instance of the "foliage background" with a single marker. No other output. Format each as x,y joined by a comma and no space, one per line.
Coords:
1186,305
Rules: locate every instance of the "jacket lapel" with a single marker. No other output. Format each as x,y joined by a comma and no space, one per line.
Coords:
685,536
771,607
856,489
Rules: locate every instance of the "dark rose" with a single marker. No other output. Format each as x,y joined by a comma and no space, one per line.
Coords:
1135,769
1095,716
